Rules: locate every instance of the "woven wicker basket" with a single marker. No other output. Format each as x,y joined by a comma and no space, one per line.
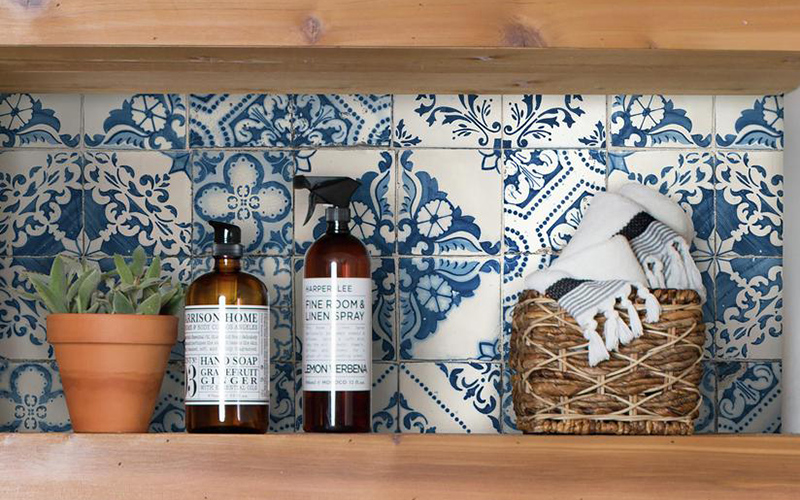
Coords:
649,386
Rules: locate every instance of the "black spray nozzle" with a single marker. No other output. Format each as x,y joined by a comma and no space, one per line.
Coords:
335,191
227,239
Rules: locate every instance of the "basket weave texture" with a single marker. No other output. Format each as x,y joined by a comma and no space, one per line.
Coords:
649,386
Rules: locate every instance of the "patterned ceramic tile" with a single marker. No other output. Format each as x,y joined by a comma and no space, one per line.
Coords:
749,397
515,269
450,398
687,178
281,334
439,213
750,122
169,414
137,121
40,203
660,121
384,398
427,120
22,321
40,120
373,204
235,121
706,422
342,120
554,121
545,195
31,398
509,416
708,267
384,310
137,198
251,189
750,203
749,308
449,308
281,397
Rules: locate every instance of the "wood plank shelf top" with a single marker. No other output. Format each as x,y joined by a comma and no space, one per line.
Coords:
182,466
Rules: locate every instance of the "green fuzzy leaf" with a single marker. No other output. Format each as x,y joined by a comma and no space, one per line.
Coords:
167,295
72,292
58,278
89,287
152,305
79,305
54,303
173,306
94,309
154,270
122,305
138,261
123,270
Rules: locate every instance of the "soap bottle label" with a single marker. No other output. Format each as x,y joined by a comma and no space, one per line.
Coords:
227,355
337,343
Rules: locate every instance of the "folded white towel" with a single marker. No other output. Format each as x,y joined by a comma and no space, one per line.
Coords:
660,207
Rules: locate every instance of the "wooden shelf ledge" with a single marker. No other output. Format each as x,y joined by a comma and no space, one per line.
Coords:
181,466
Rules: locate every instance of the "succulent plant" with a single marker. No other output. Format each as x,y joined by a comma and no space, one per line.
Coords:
131,288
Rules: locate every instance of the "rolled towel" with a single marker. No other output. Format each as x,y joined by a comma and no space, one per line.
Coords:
660,207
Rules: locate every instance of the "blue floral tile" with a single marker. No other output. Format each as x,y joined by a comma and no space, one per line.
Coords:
509,416
341,120
40,120
137,199
706,422
428,120
660,121
450,398
749,308
439,213
515,269
449,308
169,414
686,178
250,189
708,267
554,121
750,203
545,193
22,321
281,334
384,309
31,398
373,204
138,121
749,397
281,397
239,120
41,202
749,122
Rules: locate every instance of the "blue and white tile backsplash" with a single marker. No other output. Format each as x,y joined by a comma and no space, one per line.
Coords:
461,197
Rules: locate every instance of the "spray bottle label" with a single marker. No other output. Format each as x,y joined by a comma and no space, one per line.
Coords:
337,342
227,354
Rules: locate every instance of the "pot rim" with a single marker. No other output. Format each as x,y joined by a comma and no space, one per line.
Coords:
138,329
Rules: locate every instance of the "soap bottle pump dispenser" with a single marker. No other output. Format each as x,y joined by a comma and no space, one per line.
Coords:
337,316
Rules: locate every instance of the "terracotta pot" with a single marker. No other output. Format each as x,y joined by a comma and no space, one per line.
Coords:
111,367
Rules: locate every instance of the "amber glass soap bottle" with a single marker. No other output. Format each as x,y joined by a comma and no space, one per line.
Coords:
227,344
337,316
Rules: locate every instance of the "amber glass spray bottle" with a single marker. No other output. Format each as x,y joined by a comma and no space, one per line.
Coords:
337,315
227,344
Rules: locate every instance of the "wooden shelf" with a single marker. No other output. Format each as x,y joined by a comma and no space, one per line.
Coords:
401,46
181,466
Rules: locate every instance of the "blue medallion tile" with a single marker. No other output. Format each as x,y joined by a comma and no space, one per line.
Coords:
137,199
660,121
749,122
281,334
40,120
250,189
554,121
31,398
545,193
281,397
341,120
515,269
169,414
239,120
384,309
22,320
750,203
444,121
41,202
137,121
749,395
686,178
439,213
708,267
450,398
373,204
706,422
449,308
509,416
749,308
